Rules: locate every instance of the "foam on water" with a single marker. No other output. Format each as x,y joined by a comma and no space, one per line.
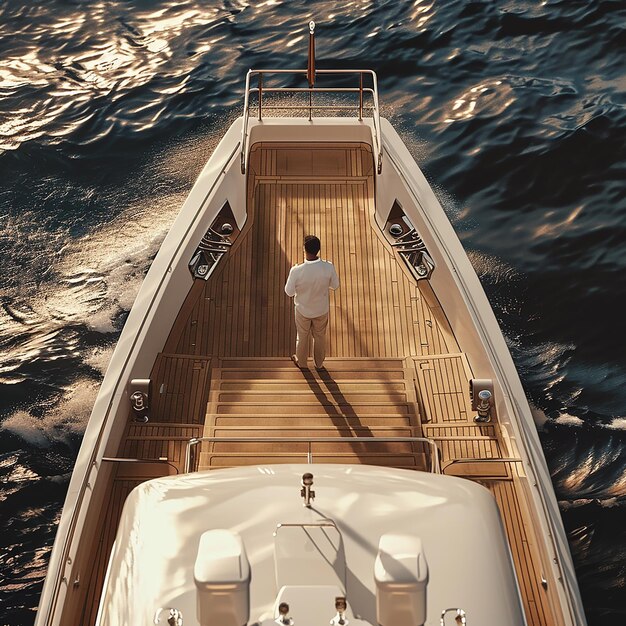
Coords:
569,420
491,269
99,358
607,503
65,420
618,423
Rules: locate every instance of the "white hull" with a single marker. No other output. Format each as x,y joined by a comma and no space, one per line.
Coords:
168,283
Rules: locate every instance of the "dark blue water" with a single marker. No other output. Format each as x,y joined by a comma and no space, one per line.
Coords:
516,111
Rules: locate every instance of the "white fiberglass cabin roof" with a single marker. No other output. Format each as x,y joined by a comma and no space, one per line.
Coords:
332,545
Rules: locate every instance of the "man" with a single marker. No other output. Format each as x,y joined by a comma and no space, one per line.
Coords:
310,283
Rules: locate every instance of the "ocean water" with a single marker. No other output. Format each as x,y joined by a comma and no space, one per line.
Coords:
515,110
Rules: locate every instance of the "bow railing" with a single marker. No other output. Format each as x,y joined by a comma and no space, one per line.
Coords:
367,100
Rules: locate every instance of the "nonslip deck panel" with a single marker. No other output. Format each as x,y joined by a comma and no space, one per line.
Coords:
180,385
443,382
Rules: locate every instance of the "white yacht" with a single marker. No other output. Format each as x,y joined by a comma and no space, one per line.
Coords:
219,484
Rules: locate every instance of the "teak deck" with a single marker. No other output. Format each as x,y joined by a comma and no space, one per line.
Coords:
394,366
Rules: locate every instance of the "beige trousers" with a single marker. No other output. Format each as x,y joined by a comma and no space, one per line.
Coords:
307,326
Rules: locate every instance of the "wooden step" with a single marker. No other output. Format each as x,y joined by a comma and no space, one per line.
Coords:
294,386
311,408
331,364
306,396
294,447
353,375
313,431
270,397
306,420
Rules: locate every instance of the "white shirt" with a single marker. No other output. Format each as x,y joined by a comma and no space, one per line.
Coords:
309,282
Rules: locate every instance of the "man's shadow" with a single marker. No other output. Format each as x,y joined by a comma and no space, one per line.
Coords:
343,415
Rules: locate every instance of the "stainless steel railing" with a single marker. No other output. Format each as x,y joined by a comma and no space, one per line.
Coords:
435,466
362,91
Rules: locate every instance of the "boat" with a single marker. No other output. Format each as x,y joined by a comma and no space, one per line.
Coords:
218,483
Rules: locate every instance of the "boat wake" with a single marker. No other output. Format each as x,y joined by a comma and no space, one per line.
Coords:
64,423
66,329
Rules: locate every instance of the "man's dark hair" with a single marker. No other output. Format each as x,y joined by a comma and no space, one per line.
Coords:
312,244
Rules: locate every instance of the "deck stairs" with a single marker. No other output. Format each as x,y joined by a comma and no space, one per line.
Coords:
272,398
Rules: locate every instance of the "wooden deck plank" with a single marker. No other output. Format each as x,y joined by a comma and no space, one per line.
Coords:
104,537
527,562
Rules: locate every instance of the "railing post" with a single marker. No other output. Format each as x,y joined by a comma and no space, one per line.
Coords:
435,463
188,453
360,96
244,128
376,120
260,95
